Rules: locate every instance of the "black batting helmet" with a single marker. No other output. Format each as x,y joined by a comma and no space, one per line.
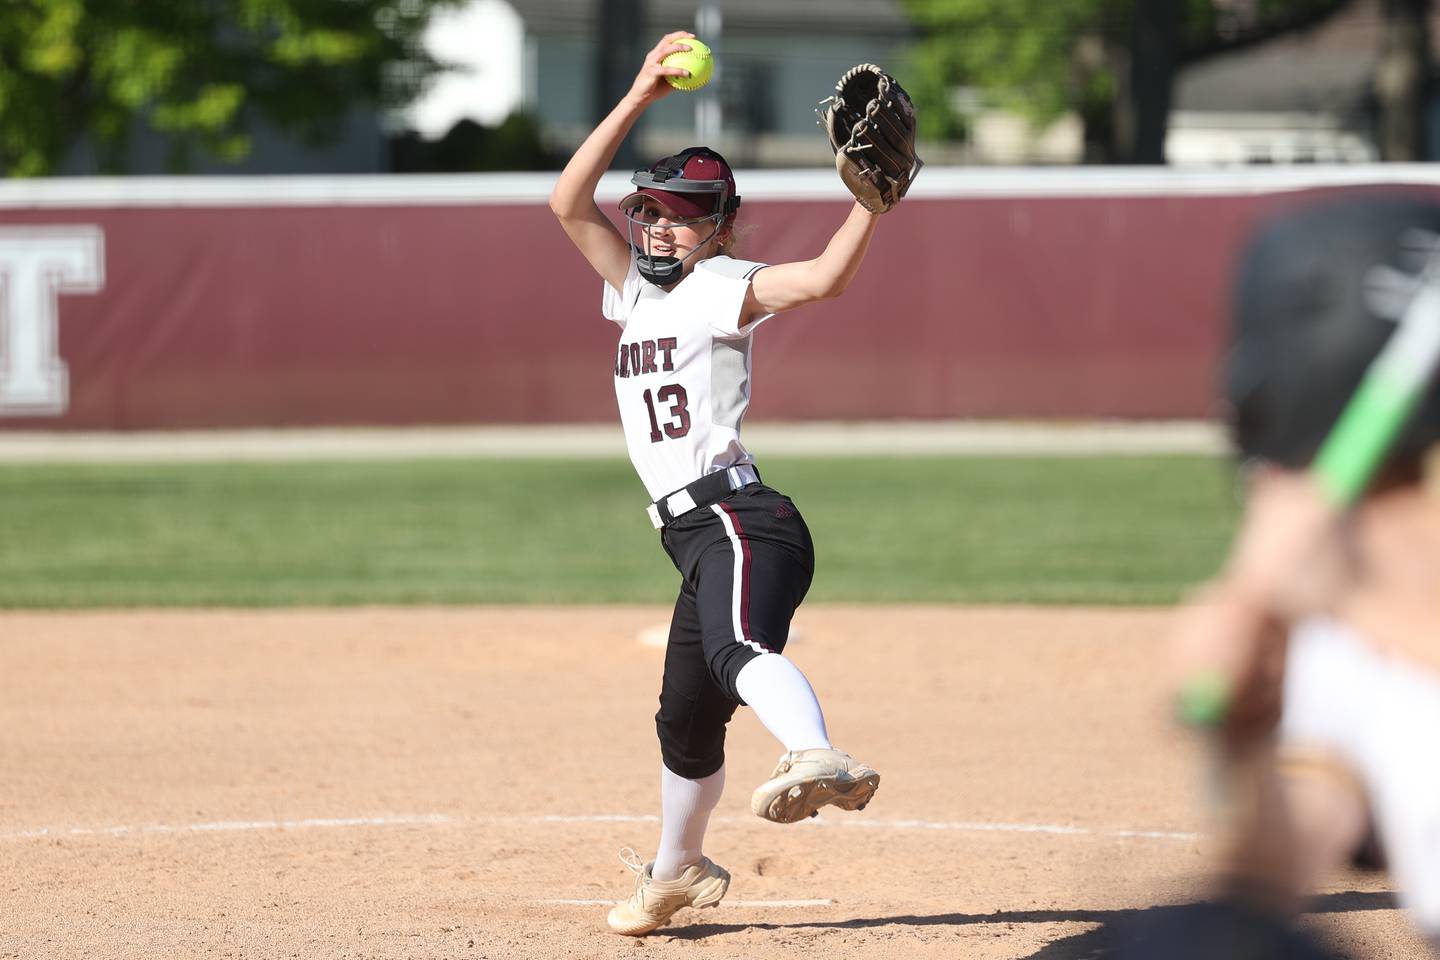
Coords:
1319,292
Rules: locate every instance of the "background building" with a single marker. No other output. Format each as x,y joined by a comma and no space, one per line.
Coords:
1302,98
527,79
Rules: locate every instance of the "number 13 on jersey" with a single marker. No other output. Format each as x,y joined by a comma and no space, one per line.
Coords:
678,423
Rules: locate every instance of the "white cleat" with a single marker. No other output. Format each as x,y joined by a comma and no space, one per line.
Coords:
807,780
654,902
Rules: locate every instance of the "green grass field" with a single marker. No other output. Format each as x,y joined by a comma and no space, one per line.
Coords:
1113,530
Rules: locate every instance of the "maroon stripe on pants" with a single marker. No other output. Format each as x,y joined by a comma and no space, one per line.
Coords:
744,584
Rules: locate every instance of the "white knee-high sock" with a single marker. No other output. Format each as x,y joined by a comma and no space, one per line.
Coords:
784,701
685,807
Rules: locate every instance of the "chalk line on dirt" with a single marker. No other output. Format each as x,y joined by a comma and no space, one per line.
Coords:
441,819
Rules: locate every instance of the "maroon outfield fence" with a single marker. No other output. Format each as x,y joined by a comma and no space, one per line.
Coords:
134,304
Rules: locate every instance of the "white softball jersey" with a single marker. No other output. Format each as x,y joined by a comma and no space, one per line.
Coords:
682,371
1380,715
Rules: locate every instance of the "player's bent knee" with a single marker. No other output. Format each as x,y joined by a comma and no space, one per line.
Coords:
692,733
726,662
685,757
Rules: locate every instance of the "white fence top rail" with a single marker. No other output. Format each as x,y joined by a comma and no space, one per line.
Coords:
757,185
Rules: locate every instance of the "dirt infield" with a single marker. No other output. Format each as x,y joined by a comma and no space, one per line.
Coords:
455,783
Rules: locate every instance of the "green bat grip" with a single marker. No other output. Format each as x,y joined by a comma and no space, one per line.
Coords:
1361,437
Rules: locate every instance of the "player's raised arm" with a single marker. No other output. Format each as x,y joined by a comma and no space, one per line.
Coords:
573,198
870,122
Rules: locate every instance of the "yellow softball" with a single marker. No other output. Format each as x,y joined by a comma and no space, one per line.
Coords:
698,60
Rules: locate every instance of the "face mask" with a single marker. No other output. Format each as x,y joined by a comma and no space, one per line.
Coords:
662,270
668,175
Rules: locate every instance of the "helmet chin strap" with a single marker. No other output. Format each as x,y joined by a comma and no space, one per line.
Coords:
660,270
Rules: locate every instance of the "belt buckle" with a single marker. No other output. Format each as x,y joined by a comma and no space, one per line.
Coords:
742,476
679,503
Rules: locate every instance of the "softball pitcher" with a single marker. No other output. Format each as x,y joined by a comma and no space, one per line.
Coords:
1327,624
687,311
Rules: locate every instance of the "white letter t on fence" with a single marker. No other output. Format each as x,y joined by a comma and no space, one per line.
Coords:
36,265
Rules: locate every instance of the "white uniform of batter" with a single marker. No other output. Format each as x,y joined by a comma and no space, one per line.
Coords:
1380,716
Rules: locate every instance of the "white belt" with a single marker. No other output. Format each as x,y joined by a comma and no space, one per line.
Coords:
711,488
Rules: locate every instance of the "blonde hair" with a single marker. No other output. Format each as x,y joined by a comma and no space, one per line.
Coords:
737,238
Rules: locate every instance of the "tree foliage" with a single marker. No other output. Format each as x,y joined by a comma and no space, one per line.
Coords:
1017,53
1042,58
198,71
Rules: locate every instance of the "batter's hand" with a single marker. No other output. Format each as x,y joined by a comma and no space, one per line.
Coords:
1285,564
650,83
1226,646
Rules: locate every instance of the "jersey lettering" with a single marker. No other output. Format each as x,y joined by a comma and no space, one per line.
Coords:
640,357
36,265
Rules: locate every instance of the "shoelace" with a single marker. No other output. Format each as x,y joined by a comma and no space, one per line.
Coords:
632,861
642,898
788,761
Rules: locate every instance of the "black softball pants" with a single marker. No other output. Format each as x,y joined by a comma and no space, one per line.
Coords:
746,563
